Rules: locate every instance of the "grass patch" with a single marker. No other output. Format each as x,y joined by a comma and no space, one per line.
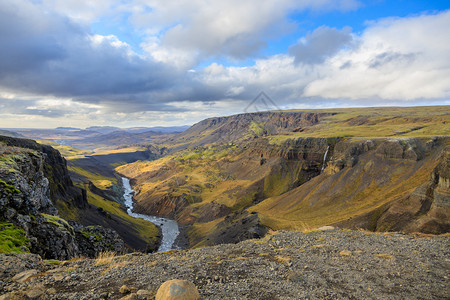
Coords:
98,180
385,256
60,222
105,258
12,238
88,234
9,189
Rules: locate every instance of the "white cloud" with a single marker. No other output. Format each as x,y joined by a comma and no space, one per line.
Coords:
403,59
190,30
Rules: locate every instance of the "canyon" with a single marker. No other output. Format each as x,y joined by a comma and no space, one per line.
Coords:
234,178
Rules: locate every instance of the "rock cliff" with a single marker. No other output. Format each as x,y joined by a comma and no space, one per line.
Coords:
33,179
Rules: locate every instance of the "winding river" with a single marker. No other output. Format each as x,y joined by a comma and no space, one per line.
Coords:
169,228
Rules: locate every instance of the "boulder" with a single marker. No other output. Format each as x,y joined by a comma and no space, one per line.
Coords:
177,289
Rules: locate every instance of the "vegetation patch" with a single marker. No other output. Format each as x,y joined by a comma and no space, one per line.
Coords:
61,223
12,238
9,189
88,235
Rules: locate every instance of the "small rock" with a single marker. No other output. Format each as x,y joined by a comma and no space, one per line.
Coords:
23,276
325,228
35,293
58,277
132,296
345,253
144,293
177,290
124,289
294,277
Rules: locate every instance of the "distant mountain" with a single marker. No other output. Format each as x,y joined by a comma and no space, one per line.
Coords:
67,128
114,139
103,129
10,133
170,129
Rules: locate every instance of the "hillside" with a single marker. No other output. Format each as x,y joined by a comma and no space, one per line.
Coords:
94,173
330,264
382,169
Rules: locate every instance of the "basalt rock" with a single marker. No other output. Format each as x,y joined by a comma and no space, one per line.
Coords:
32,179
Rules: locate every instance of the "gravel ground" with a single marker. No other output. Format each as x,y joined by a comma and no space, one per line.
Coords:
332,264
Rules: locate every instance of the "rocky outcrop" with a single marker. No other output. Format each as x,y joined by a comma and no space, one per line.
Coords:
237,227
32,179
93,240
53,167
223,130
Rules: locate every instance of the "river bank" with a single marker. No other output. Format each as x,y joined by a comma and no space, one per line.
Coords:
169,228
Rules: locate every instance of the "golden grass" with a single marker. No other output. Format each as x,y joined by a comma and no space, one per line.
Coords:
384,256
377,122
120,150
98,180
105,257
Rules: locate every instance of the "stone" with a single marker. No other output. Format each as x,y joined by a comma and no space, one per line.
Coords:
35,293
325,228
124,289
177,289
23,276
144,293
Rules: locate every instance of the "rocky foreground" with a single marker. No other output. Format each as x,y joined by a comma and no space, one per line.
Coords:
327,264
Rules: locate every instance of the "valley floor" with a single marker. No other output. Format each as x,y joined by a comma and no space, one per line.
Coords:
329,264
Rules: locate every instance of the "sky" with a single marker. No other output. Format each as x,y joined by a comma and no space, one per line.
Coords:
129,63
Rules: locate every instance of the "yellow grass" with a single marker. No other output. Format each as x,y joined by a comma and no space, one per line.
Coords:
105,257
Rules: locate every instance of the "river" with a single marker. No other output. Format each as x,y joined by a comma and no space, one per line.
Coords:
169,228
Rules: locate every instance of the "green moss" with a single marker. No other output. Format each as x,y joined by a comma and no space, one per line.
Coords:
10,189
53,262
88,234
61,223
12,238
257,128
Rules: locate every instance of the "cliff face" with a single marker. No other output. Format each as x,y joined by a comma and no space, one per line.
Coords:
397,184
425,208
33,178
53,167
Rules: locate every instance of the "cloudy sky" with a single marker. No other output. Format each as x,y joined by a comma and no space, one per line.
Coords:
174,62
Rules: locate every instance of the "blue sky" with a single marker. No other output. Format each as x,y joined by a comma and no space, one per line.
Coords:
152,62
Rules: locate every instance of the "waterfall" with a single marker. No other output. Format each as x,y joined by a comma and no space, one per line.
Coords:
324,159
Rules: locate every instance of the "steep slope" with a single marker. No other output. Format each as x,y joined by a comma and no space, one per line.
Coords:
244,126
382,184
33,179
